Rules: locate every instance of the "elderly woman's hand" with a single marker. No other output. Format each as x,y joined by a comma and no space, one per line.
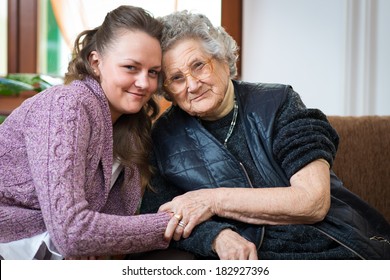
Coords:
193,208
229,245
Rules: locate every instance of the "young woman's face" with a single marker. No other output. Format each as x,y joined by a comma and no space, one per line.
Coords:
128,71
199,97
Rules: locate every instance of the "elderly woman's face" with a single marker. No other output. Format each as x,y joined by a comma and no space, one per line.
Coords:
196,81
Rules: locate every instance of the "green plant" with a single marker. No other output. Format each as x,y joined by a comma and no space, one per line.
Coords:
14,84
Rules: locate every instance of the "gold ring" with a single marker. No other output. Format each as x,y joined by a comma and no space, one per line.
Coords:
178,217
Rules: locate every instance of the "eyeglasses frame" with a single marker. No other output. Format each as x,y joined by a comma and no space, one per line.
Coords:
207,62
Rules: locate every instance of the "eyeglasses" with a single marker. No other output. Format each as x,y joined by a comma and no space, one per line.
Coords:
199,70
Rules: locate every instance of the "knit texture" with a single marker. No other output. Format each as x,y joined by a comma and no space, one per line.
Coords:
302,135
55,172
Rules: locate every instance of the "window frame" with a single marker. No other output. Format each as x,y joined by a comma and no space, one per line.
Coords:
22,39
23,29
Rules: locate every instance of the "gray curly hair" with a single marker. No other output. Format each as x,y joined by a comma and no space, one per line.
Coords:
216,41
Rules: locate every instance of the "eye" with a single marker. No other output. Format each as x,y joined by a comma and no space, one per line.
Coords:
154,73
131,68
176,78
198,66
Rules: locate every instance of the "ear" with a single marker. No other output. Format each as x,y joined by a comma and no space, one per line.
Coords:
94,61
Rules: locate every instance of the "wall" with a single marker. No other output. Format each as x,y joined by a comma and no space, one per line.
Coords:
334,53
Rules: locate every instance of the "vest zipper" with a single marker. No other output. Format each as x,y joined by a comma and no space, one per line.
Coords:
250,184
341,243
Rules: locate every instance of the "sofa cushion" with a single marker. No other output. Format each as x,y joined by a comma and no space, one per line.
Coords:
363,158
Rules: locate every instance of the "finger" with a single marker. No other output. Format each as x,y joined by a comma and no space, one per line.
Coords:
253,255
171,227
178,217
188,229
179,230
182,224
240,254
165,207
252,252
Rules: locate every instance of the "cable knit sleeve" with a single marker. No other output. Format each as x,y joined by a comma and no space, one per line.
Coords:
302,135
71,193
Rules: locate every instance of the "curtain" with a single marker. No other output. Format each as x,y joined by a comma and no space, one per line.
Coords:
75,16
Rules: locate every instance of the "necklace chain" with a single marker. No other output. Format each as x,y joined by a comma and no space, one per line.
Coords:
232,124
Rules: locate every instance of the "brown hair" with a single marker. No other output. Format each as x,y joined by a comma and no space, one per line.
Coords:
132,142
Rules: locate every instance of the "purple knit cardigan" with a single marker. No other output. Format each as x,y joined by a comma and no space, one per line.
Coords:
55,172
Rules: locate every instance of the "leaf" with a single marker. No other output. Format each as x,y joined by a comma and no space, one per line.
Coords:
27,78
13,87
14,83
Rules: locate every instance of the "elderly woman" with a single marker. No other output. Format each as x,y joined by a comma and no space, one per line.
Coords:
250,163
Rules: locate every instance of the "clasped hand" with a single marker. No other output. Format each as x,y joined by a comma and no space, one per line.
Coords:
187,211
192,208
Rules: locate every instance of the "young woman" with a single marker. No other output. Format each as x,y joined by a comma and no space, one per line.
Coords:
74,158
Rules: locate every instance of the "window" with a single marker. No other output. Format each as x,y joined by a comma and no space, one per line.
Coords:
34,42
61,21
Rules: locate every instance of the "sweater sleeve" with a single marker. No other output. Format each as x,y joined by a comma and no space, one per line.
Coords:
302,135
57,138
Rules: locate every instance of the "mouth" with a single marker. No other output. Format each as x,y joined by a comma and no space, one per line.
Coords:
136,94
199,96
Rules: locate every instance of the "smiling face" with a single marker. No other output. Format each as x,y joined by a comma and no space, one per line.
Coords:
202,98
128,71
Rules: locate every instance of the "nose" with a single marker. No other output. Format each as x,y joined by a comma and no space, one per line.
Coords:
192,83
142,81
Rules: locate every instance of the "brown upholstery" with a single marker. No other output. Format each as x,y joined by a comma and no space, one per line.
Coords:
363,158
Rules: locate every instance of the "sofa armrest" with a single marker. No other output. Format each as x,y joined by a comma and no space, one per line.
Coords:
363,158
